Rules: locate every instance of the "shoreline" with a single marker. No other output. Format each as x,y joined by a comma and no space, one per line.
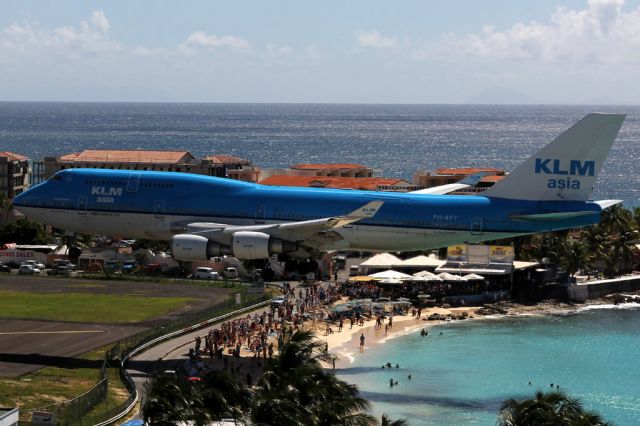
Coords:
345,344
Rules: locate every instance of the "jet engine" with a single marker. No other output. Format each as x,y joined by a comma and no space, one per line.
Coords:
244,245
189,247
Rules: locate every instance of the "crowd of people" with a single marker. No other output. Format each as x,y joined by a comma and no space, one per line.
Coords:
255,335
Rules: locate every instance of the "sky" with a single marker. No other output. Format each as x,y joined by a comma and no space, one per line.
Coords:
330,51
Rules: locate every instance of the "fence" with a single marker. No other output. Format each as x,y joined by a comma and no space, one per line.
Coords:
77,411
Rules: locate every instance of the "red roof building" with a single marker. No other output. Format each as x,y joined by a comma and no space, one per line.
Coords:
154,160
367,184
335,169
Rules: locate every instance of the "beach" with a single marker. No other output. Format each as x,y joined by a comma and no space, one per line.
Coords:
345,344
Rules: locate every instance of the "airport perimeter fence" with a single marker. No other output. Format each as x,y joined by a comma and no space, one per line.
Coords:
78,410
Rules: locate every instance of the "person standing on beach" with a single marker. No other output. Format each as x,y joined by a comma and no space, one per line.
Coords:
362,341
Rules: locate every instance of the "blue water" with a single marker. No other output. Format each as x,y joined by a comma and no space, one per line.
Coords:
463,375
396,139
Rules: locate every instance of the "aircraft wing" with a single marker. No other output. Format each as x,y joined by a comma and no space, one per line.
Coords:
450,187
290,231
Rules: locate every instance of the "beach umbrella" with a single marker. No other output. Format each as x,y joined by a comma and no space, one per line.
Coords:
426,276
445,276
472,277
390,274
389,281
361,279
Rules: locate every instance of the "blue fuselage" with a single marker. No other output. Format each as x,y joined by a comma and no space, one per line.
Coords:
88,200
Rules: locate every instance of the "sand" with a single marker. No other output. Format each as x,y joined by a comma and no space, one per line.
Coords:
346,343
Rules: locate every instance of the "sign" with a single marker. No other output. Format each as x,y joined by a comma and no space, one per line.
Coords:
457,253
42,418
18,256
501,254
478,254
238,299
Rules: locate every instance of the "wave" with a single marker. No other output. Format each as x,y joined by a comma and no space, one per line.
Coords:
626,306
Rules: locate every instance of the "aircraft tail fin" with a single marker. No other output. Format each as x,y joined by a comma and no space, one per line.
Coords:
567,168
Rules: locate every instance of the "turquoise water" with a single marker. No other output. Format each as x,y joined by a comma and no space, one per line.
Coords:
463,375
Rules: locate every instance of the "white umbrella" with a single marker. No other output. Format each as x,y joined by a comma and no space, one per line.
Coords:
450,277
473,277
426,276
390,281
391,274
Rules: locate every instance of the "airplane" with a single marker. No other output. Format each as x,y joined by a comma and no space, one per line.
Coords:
206,216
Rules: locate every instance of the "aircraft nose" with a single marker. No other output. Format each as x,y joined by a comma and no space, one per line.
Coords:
24,199
20,199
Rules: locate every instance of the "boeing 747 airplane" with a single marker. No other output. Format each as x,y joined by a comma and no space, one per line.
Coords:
207,216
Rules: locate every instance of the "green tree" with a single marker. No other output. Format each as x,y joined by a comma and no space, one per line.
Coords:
624,246
552,408
223,396
23,231
170,401
296,390
574,256
616,219
596,243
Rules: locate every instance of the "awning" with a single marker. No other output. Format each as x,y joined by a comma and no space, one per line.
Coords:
476,269
473,277
390,274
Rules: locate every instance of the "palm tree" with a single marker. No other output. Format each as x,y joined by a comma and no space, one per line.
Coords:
170,401
625,246
296,390
386,421
596,242
552,408
223,396
574,256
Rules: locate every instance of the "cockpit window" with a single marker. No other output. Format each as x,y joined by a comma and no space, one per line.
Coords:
56,177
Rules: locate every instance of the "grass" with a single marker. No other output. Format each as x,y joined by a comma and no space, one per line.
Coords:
83,307
157,280
66,381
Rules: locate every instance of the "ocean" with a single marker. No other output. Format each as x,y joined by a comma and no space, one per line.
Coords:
462,376
397,140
